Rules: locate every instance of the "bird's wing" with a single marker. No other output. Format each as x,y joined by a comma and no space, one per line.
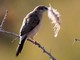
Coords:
30,24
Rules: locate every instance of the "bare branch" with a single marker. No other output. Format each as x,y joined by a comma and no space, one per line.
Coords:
4,19
32,41
11,33
42,48
76,40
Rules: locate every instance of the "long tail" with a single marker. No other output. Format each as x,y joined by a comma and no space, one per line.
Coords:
20,46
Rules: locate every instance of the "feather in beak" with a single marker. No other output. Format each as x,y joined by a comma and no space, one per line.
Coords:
54,16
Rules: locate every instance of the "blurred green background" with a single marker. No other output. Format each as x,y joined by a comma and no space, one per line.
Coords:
60,47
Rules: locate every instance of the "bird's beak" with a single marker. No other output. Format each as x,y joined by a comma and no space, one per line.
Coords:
49,8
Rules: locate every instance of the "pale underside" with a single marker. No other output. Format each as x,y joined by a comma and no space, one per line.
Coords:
34,31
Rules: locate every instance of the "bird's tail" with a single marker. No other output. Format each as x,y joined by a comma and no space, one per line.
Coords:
20,46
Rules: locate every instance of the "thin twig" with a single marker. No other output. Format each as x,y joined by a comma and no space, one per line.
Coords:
42,48
32,41
11,33
75,40
4,19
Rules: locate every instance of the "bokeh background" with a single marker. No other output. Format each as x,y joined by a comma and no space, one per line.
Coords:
61,48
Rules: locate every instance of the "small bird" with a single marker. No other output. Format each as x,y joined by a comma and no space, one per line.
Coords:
30,26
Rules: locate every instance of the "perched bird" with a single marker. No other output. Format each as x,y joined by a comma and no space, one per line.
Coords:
30,26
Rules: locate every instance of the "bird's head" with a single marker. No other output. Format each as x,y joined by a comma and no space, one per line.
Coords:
41,9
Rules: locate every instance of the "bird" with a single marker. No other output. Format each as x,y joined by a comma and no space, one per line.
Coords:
30,26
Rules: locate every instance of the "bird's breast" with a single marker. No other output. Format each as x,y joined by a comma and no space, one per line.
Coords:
35,30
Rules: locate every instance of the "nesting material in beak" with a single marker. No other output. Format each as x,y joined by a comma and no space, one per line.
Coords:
54,16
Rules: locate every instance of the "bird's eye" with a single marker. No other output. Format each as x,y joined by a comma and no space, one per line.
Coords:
42,8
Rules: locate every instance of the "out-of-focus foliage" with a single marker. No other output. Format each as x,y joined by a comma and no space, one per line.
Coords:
61,47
